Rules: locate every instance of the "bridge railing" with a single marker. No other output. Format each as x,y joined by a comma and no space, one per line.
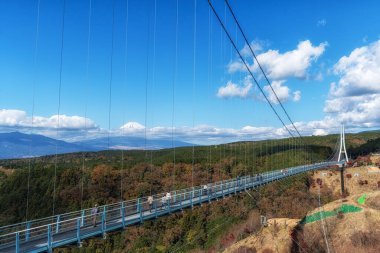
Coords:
128,212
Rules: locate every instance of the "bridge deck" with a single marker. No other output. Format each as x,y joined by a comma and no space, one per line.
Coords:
70,228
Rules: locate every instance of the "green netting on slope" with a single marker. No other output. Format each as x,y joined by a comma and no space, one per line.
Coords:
362,199
325,214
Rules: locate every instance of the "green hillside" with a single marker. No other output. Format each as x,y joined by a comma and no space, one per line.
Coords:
102,175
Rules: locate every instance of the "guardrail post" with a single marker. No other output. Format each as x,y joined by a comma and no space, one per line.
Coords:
200,193
175,196
140,211
104,220
138,205
17,246
57,224
169,205
27,232
78,230
180,201
155,208
192,197
123,214
82,218
49,243
236,184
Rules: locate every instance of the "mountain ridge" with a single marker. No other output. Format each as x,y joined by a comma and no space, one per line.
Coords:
20,145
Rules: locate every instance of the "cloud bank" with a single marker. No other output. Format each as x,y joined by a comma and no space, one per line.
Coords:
355,98
277,66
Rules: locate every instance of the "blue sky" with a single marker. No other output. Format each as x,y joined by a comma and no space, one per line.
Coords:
301,44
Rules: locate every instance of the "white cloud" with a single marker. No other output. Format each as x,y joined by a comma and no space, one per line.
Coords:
205,134
231,89
359,72
321,22
12,117
256,46
320,132
283,92
74,128
297,96
18,118
294,63
355,98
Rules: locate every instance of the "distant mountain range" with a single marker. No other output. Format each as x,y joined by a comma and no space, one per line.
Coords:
20,145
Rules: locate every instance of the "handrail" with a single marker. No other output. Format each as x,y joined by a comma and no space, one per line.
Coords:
125,210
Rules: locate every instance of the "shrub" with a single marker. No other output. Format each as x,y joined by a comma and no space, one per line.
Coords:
365,239
243,249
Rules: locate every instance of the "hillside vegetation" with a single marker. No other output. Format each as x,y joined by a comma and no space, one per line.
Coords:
83,179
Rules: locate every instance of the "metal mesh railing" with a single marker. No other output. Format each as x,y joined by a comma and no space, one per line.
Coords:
74,225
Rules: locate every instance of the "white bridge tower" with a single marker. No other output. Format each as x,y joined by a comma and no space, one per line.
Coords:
342,146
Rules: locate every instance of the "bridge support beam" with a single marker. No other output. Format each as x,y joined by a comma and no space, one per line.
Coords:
123,214
17,246
82,218
192,197
78,231
155,209
49,243
180,201
27,232
58,223
342,179
103,227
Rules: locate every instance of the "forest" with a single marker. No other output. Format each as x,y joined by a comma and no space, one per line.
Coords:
78,180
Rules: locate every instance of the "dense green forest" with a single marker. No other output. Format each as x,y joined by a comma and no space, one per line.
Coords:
371,146
82,179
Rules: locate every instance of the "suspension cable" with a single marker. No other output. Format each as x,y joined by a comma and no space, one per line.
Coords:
126,85
86,98
258,63
210,73
33,106
153,81
111,75
248,69
59,103
146,98
194,73
173,90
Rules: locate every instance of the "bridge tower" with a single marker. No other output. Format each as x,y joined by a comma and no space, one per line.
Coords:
342,146
342,150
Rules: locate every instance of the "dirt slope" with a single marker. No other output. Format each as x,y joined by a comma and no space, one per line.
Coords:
273,238
349,227
357,180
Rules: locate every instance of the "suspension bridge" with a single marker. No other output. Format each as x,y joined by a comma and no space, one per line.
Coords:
69,228
72,228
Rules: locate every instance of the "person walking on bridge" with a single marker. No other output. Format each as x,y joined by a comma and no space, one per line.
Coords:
150,202
205,189
94,213
168,198
163,202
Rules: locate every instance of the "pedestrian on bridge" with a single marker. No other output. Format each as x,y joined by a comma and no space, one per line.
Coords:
163,202
94,213
168,198
205,189
150,202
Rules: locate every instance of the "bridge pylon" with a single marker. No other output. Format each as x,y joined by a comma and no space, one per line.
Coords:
342,146
342,150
